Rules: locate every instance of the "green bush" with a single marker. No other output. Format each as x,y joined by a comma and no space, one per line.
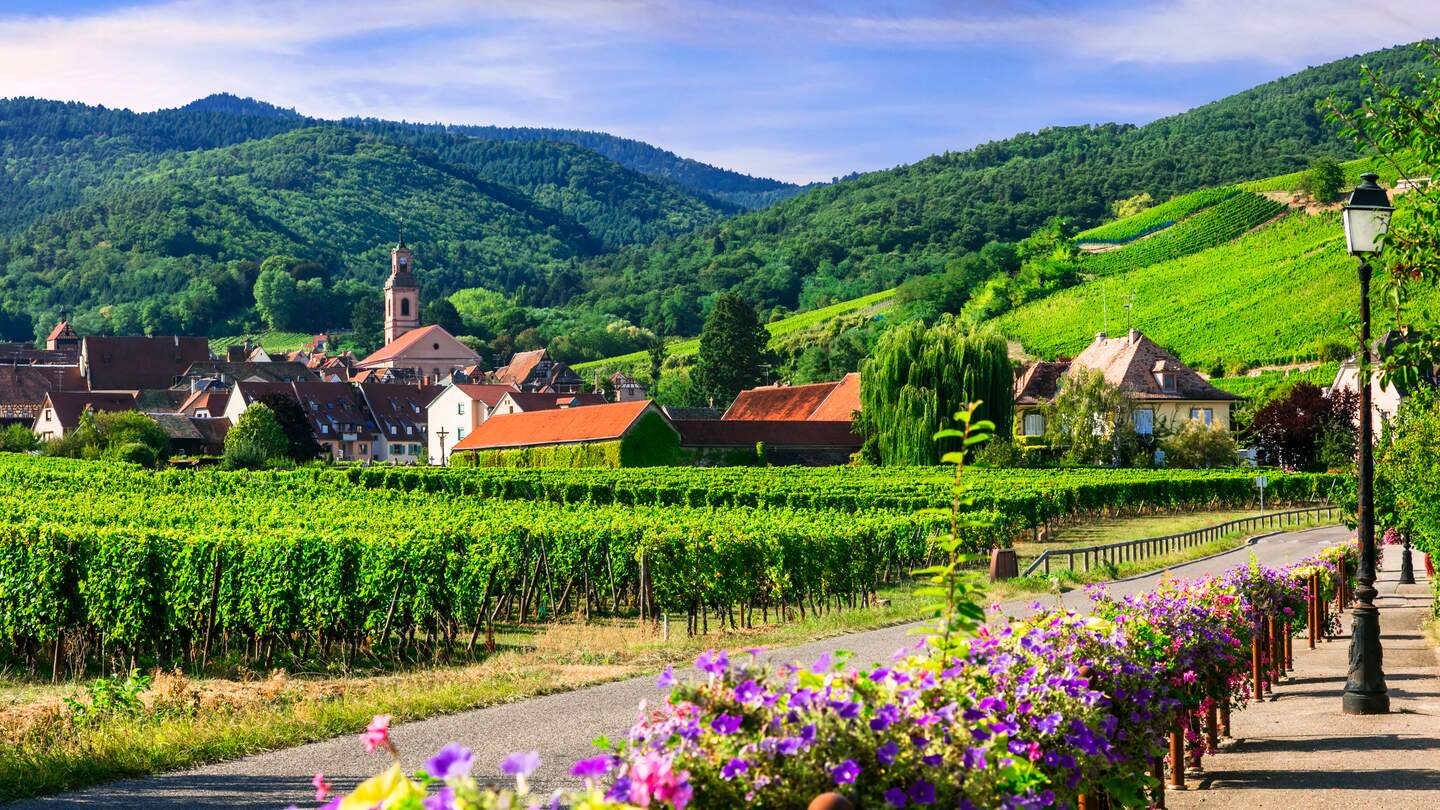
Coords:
133,453
255,440
18,439
1197,446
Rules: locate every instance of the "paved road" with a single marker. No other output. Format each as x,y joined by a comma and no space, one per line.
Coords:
560,726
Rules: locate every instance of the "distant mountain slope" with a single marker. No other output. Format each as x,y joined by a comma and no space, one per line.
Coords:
175,235
872,232
59,154
739,189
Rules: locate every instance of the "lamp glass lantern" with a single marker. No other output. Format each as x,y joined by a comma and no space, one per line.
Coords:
1367,216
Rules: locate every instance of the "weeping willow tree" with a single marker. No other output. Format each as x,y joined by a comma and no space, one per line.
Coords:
919,376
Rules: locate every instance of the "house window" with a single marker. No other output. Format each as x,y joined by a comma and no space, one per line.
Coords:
49,414
460,409
1144,421
1207,415
459,434
1165,381
1034,424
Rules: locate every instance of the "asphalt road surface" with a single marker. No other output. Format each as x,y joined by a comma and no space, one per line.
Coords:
560,726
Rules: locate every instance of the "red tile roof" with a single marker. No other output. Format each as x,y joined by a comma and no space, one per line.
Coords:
486,393
23,388
62,329
534,401
399,410
1130,362
591,423
207,400
113,363
842,403
521,365
400,345
69,405
798,402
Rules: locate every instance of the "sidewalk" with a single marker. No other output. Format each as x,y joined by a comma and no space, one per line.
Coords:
1300,751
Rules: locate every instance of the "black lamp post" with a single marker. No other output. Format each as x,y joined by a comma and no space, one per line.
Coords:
1367,217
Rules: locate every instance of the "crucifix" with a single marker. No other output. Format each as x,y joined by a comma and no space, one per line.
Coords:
442,433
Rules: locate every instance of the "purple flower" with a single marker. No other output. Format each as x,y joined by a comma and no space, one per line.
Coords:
790,746
620,791
974,759
521,763
847,710
922,792
822,664
885,716
748,692
846,772
734,768
726,723
666,679
444,799
452,761
592,768
1049,724
713,662
895,797
886,753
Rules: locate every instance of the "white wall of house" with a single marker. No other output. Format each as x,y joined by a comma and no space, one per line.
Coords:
47,425
454,412
400,450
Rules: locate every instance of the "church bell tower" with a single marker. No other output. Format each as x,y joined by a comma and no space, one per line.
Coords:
402,294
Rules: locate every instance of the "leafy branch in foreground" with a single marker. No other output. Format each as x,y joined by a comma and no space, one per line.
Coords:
959,614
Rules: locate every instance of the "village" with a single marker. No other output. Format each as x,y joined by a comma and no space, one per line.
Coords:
425,397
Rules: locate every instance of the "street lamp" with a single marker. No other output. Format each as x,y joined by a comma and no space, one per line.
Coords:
1367,217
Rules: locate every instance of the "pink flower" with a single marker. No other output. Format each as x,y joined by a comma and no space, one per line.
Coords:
652,778
377,734
322,788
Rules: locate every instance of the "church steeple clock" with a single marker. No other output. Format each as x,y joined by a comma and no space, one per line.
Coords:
402,294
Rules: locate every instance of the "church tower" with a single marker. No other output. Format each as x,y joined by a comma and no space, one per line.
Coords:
402,294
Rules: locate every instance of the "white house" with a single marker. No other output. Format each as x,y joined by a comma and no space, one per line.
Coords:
456,411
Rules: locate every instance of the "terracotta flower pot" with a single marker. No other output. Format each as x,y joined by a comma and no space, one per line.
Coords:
1429,567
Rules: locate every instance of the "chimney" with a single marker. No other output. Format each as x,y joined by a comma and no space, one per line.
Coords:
1134,336
1099,336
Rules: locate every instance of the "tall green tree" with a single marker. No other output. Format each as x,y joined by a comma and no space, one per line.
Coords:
1324,179
1092,421
299,436
919,377
732,350
277,296
443,314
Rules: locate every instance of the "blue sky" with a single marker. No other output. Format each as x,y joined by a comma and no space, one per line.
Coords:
795,89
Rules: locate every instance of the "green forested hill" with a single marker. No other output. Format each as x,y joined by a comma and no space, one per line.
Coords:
172,247
873,231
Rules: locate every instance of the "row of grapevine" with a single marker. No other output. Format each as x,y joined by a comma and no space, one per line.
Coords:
1213,226
164,565
1023,498
1156,218
1272,296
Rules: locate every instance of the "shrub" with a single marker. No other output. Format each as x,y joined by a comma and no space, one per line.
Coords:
18,439
133,453
256,439
1197,446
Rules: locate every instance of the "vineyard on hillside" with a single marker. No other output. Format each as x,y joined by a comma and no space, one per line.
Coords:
1215,225
328,563
1272,296
1155,218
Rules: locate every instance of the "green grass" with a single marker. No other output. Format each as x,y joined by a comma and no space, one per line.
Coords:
786,326
1213,226
1156,218
272,341
1269,297
1247,386
1353,169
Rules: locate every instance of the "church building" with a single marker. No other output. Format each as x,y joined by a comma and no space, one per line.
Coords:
426,352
